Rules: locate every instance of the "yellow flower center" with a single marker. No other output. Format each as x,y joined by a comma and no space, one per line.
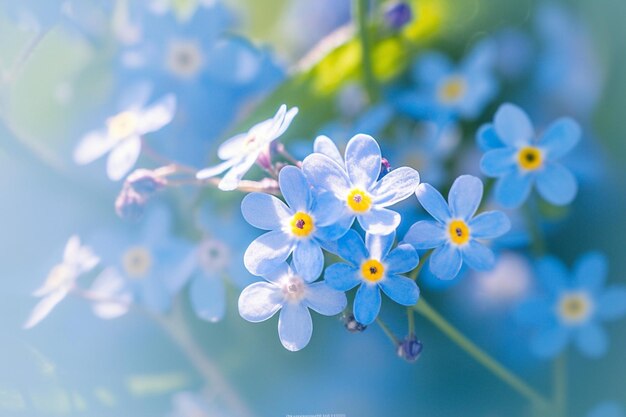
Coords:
453,89
302,224
359,201
459,232
575,307
372,270
122,125
530,158
137,262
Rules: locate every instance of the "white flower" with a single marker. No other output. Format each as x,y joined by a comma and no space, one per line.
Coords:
240,152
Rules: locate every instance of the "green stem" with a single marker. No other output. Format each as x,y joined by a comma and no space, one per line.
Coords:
538,242
560,384
411,321
361,9
479,355
416,272
388,332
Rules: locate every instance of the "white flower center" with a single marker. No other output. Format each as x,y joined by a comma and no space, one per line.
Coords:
137,262
122,125
294,289
184,58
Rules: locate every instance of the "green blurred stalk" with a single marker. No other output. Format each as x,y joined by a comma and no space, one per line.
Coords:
560,384
361,15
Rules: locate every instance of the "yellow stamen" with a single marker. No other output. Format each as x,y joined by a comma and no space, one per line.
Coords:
459,232
530,158
122,125
452,89
372,270
359,201
302,224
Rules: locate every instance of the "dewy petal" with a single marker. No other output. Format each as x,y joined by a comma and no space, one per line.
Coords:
489,225
44,307
123,157
295,326
446,261
433,202
465,196
402,290
592,340
230,181
560,137
92,146
498,162
426,234
379,221
295,188
478,256
325,146
402,259
513,125
590,271
379,245
322,172
549,342
208,297
396,186
363,161
267,251
487,138
367,304
158,115
264,211
351,248
557,184
342,277
259,301
324,299
308,259
513,188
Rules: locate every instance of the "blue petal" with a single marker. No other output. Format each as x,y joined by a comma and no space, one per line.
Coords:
557,184
433,202
363,161
489,225
367,304
322,172
534,311
379,221
513,125
295,326
611,304
487,138
552,273
465,196
153,295
513,189
402,259
402,290
396,186
560,137
267,252
278,274
549,342
592,340
478,256
264,211
426,234
342,277
336,231
607,409
324,145
208,298
445,262
379,245
498,162
327,209
351,248
295,188
260,301
325,300
308,259
590,271
431,67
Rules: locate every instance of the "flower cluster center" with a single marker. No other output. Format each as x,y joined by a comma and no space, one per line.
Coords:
358,200
122,125
452,89
574,308
294,289
459,232
302,224
530,158
372,270
137,262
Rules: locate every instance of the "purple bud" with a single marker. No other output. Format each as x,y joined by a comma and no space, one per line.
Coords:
410,349
385,168
145,182
351,324
130,204
398,14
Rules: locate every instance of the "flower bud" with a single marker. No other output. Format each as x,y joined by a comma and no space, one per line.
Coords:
398,14
129,204
385,168
410,349
145,182
351,324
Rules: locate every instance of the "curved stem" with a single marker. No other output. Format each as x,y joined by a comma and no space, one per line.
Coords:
361,9
387,331
480,355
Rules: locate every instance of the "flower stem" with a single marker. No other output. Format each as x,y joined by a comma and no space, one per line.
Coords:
411,321
479,355
361,11
388,332
415,273
560,384
538,244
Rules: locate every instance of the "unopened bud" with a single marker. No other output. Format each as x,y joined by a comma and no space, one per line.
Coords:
351,324
410,349
145,182
398,14
130,204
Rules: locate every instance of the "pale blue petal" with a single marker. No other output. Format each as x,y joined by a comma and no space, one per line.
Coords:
379,245
336,231
367,304
611,304
513,189
351,248
264,211
557,184
44,307
231,180
402,290
433,202
478,256
295,188
402,259
208,298
489,225
363,161
431,67
342,277
327,209
322,172
426,234
396,186
324,145
280,273
487,138
592,340
260,301
445,262
308,259
295,326
268,251
549,342
123,157
560,137
153,295
498,162
552,273
325,300
465,196
590,271
513,125
380,221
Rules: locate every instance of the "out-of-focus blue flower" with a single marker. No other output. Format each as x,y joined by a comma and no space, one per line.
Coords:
122,136
357,186
373,265
456,233
519,158
572,307
299,228
607,409
447,92
77,260
241,152
288,290
41,15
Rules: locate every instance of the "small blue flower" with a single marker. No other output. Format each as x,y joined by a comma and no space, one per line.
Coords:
607,409
374,266
357,187
299,228
287,290
572,307
519,159
456,232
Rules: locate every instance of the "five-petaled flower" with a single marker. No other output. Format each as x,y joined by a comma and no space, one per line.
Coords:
518,158
456,232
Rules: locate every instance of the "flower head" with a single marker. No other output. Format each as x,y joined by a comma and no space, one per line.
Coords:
373,265
241,152
519,158
455,233
357,187
287,290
